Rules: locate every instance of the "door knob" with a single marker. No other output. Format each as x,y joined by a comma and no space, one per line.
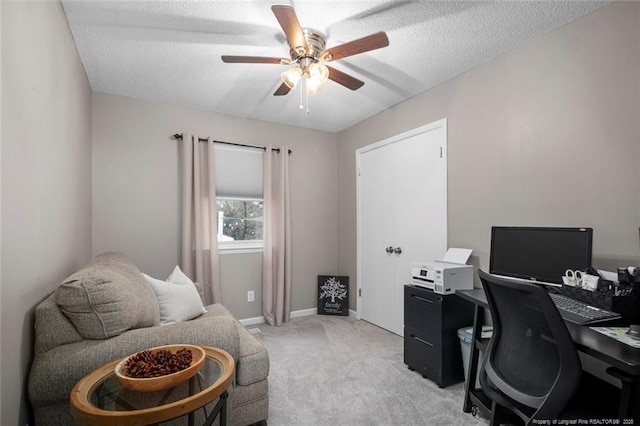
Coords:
397,250
389,249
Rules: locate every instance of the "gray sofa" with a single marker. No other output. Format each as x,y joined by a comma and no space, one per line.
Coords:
62,356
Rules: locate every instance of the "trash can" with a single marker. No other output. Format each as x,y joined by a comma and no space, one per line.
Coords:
466,336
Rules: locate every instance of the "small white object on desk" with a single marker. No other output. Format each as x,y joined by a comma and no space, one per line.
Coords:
590,282
572,278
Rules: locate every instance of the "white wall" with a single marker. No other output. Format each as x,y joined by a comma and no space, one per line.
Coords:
46,179
136,190
547,134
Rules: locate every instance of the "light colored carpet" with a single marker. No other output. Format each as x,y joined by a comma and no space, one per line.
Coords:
330,370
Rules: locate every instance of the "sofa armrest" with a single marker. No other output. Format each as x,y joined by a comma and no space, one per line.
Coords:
54,373
52,327
252,365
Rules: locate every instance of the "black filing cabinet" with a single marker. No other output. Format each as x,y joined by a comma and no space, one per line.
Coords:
431,343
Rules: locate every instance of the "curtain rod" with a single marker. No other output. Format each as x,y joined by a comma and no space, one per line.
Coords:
179,136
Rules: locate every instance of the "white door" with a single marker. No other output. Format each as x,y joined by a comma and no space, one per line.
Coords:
376,193
402,190
421,208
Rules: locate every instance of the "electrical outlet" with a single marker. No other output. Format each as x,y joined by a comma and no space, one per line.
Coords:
251,296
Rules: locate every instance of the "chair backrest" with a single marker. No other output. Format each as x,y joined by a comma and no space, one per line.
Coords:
531,359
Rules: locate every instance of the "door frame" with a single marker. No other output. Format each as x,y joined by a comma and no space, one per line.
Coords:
442,123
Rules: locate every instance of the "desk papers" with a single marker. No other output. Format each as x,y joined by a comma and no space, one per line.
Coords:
620,334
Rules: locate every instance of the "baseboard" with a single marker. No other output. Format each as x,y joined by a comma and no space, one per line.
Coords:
304,313
294,314
252,321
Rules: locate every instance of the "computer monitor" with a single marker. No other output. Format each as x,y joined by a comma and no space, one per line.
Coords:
539,254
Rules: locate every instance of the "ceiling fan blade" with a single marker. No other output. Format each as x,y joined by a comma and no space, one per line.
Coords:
254,60
288,20
345,79
282,90
364,44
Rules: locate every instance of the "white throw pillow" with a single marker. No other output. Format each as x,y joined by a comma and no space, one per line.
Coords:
178,298
179,277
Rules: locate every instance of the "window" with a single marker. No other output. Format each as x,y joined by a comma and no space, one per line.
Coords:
239,223
239,197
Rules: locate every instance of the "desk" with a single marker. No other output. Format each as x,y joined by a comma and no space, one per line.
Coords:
624,361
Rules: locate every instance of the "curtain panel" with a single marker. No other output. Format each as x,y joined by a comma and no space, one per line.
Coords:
276,267
199,255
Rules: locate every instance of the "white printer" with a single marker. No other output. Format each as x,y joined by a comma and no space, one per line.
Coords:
447,275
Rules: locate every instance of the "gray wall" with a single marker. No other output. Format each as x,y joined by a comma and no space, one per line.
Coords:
136,193
546,135
46,178
1,117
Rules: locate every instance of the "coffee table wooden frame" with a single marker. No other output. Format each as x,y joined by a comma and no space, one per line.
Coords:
84,411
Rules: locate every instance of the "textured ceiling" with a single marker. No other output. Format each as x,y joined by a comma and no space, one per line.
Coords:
169,51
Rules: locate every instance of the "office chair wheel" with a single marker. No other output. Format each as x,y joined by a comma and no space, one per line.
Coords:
474,410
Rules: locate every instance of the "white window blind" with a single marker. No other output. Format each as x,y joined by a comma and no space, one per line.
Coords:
238,171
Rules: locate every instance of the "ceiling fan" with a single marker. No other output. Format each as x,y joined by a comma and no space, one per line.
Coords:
308,55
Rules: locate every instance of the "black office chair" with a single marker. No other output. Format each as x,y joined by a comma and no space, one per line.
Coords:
531,366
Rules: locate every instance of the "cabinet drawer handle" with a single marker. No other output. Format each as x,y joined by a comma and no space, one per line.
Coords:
422,299
422,340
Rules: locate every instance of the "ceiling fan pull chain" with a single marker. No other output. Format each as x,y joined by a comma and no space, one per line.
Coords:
302,89
306,93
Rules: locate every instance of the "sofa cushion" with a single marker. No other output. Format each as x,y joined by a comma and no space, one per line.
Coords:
178,299
54,373
107,297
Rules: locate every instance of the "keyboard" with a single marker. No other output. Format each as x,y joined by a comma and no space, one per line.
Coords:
579,312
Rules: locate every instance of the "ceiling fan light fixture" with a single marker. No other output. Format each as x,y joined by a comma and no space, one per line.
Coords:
292,76
312,88
318,73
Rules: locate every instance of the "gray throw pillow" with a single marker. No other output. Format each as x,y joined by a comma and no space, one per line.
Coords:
107,297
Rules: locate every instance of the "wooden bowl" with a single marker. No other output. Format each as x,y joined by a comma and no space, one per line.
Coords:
162,382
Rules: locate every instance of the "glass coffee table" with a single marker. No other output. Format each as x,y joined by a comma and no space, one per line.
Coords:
99,399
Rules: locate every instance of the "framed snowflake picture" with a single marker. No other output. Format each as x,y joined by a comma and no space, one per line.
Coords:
333,295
